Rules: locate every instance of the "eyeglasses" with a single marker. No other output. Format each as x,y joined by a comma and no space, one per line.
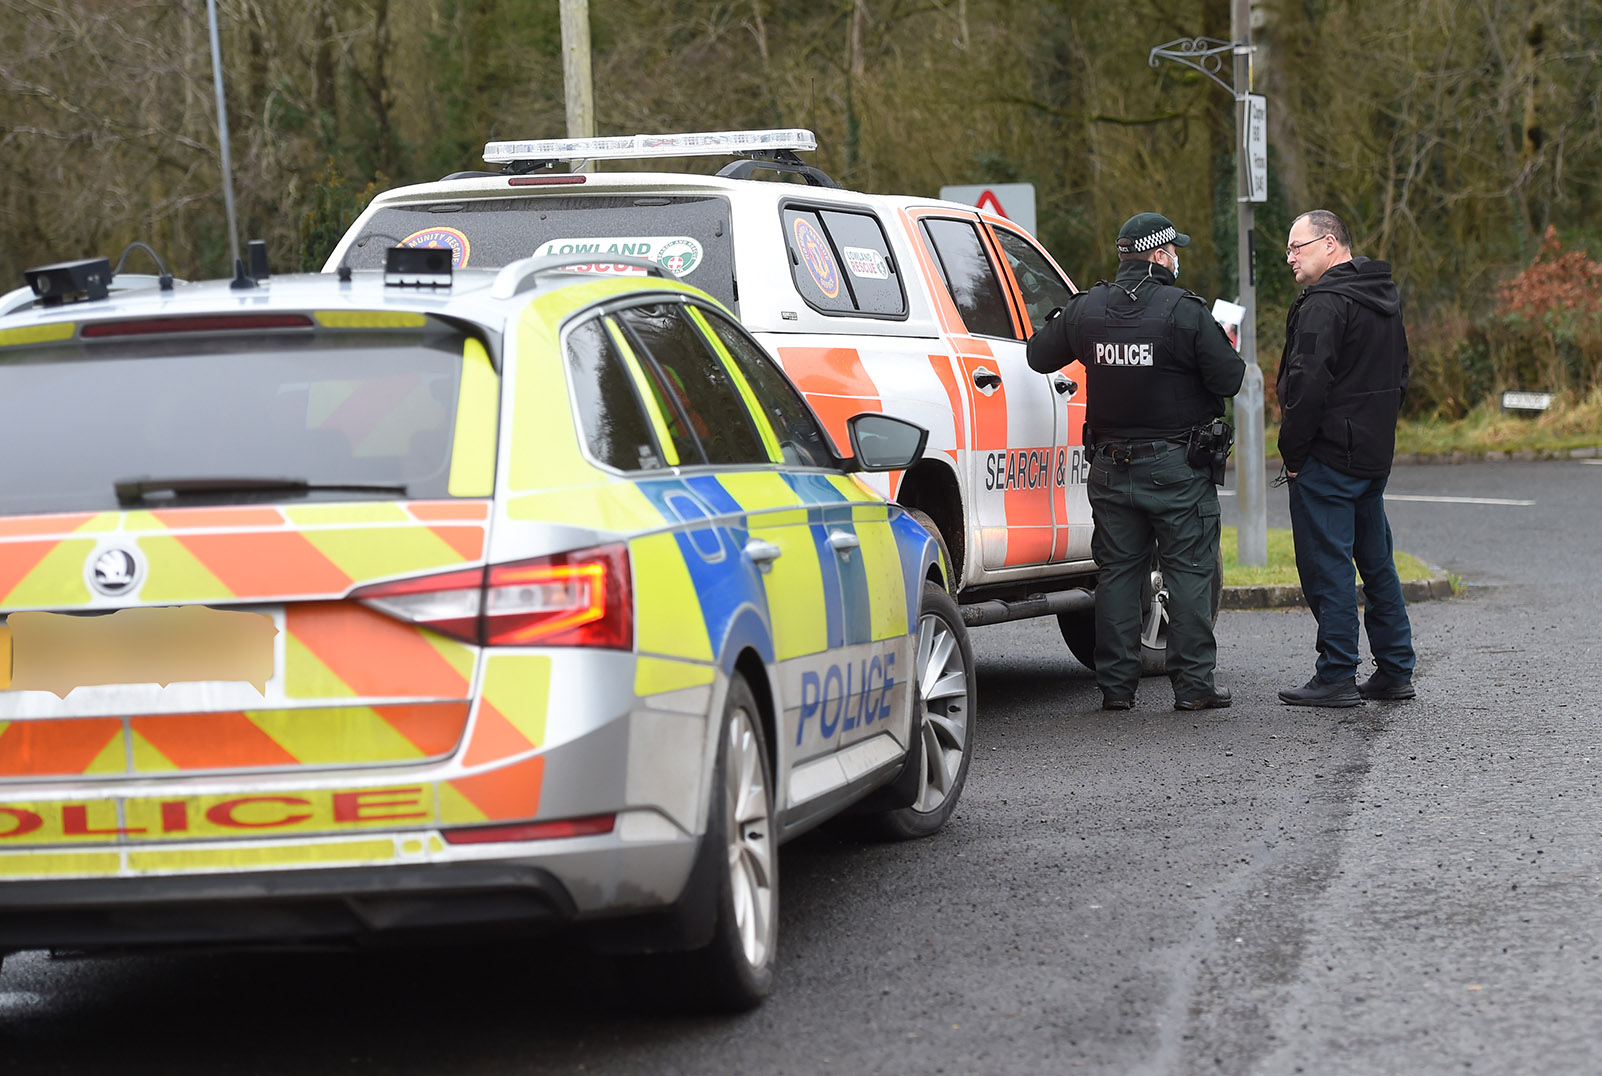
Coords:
1291,250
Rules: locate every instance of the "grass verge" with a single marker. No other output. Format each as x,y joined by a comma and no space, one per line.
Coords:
1281,567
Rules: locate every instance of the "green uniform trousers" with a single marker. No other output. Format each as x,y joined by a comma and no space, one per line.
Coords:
1163,498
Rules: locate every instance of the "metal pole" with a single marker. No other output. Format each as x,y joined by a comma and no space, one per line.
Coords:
578,84
1251,492
222,137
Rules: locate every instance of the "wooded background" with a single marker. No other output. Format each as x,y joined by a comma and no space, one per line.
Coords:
1456,137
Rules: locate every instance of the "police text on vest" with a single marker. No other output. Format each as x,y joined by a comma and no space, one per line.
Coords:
1123,354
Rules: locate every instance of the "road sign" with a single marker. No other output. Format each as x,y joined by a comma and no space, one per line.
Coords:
1256,147
1015,201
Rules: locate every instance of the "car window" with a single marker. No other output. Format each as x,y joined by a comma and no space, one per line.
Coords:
841,262
801,439
688,235
1043,290
690,379
371,407
614,423
969,277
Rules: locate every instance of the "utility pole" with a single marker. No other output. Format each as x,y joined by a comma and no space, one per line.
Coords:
1206,55
579,86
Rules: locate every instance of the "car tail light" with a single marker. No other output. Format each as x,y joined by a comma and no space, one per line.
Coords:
582,598
532,831
545,181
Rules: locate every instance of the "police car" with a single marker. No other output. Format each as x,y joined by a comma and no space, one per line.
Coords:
909,306
335,608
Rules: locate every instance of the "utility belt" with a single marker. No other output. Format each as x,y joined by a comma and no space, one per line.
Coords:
1206,448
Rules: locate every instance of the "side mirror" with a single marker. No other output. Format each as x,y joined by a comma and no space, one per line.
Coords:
882,443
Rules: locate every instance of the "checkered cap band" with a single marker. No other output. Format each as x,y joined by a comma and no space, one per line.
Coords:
1155,240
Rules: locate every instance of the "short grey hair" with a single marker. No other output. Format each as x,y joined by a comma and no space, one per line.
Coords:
1324,222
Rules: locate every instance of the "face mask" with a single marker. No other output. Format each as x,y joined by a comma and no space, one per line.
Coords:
1174,260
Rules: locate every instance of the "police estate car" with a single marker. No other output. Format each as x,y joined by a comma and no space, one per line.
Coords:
419,599
908,306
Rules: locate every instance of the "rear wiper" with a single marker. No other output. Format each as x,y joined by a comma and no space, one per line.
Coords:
135,490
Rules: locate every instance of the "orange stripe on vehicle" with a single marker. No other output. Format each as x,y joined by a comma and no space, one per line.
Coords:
54,748
62,524
831,371
371,653
494,737
1027,545
433,728
508,793
948,381
17,559
196,518
215,741
267,565
432,510
989,416
468,541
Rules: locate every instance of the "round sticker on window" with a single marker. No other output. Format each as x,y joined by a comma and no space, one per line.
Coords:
443,238
679,256
817,258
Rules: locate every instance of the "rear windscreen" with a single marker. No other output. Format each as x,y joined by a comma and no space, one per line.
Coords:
689,236
354,407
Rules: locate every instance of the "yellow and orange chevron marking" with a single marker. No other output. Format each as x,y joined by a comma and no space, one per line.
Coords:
224,554
240,740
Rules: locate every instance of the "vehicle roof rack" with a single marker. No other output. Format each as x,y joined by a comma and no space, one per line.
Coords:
522,275
765,149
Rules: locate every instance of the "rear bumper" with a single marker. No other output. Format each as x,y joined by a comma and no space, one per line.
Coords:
505,892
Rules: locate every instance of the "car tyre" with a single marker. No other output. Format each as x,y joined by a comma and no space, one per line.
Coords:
734,972
945,694
1079,629
948,567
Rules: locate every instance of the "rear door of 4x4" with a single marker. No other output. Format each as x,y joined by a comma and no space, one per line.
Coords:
1017,431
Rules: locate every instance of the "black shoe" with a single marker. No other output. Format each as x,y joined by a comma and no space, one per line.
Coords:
1382,685
1108,702
1318,693
1217,700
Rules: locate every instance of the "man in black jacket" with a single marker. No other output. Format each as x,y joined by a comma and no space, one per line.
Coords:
1342,380
1156,367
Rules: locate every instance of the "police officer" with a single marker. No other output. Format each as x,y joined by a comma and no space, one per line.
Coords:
1157,367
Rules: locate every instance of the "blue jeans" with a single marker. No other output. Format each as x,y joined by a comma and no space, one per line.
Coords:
1337,519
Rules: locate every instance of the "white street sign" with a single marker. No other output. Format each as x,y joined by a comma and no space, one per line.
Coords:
1257,147
1015,201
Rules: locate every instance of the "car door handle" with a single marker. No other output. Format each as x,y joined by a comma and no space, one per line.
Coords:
843,542
986,380
763,554
1064,386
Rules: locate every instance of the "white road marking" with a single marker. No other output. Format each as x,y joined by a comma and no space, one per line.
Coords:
1594,463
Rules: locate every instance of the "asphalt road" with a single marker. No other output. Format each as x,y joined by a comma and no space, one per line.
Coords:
1408,888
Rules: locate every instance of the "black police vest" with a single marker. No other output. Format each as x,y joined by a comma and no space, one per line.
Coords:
1135,380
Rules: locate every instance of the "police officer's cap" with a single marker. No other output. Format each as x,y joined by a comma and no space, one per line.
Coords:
1148,231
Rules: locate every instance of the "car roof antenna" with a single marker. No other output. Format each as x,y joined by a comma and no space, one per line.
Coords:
241,281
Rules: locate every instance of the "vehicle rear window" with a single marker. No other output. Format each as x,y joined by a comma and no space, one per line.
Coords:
970,277
841,262
353,406
689,235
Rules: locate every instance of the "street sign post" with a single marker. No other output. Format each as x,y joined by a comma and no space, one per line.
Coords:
1015,201
1256,147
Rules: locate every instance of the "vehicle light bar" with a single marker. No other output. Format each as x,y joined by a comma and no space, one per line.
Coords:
695,144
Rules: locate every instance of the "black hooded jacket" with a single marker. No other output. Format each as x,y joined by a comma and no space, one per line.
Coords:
1343,374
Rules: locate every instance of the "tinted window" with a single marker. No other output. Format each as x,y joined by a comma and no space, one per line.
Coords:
615,425
865,254
1043,290
357,407
841,262
814,264
689,235
692,379
970,277
801,439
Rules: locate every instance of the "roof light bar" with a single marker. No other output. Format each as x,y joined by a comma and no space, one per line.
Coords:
694,144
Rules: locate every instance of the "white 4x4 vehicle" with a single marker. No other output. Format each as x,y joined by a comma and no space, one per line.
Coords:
914,306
